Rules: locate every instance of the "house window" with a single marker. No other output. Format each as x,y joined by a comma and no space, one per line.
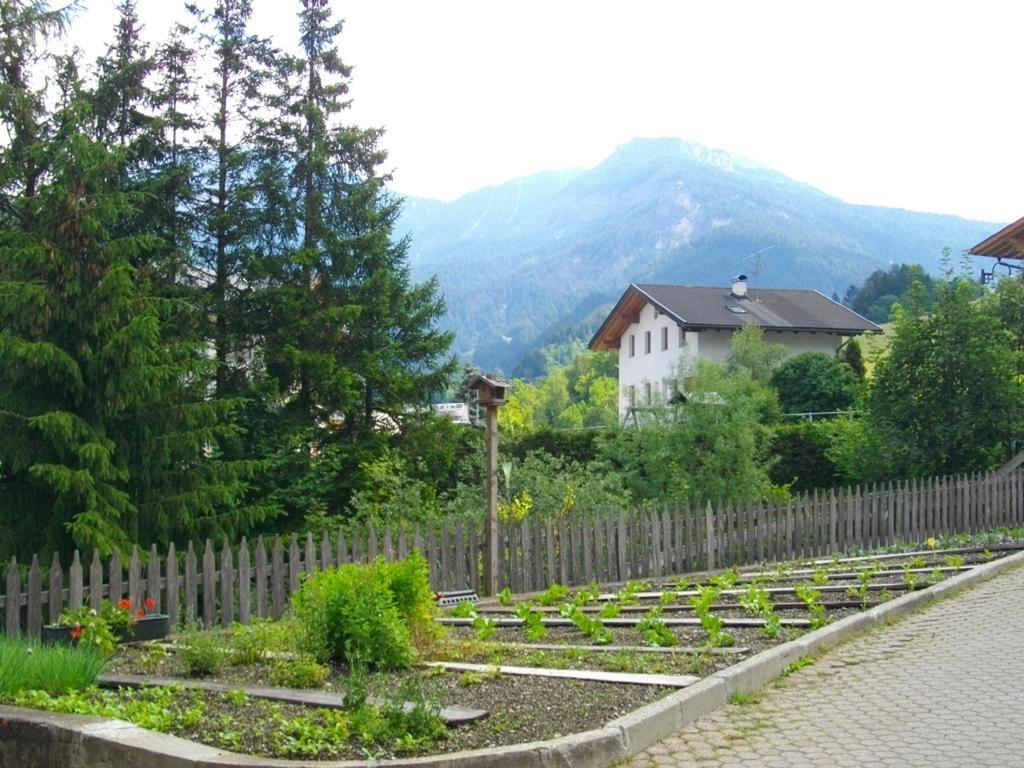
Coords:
647,342
664,338
632,345
682,337
631,394
647,393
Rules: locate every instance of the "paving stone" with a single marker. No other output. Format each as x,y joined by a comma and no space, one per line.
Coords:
941,687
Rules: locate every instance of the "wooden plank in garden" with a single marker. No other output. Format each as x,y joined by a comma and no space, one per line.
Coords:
35,600
587,531
326,555
678,543
620,548
294,565
95,581
634,547
357,545
575,549
515,557
227,583
790,545
446,555
371,544
709,535
209,586
689,530
171,570
135,578
261,578
310,566
389,545
432,557
75,583
191,585
153,578
12,594
875,535
537,552
114,577
277,579
460,554
56,589
474,557
551,564
611,562
403,544
245,582
342,549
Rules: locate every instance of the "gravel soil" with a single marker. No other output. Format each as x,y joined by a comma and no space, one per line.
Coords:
520,708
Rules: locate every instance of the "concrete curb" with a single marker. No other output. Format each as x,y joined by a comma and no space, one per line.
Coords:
36,739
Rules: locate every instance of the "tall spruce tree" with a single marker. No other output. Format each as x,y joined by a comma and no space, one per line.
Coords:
226,206
348,333
105,436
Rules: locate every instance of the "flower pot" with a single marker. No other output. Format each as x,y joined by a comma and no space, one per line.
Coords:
152,626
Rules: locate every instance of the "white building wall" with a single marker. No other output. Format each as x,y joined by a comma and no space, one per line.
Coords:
651,371
650,374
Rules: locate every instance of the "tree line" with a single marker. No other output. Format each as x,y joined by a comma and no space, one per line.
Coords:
205,318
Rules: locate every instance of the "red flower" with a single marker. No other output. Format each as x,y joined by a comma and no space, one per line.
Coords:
150,604
140,612
126,604
76,632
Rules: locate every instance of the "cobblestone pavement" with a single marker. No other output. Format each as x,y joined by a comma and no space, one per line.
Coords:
942,688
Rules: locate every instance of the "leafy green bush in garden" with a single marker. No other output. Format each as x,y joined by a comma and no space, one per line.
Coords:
367,614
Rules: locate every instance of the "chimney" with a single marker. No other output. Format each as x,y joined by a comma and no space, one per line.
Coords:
739,286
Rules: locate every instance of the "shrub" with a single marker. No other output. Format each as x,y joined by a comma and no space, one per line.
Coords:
801,450
200,653
366,613
298,673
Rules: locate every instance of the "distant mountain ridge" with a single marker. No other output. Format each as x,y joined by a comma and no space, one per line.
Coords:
521,262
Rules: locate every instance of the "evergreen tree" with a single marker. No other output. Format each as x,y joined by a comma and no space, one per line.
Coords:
105,436
348,336
225,208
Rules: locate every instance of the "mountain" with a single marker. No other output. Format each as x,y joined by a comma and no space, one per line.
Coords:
537,259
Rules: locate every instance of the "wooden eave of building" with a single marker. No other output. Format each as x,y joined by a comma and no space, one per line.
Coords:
624,314
1007,243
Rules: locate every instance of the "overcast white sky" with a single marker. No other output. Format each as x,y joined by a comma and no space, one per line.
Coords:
908,104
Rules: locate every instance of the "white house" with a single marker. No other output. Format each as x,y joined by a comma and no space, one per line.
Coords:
654,326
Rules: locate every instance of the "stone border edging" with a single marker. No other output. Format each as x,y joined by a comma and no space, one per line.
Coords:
37,739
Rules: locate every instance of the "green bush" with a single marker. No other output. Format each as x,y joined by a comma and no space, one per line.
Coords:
367,613
802,460
200,653
298,673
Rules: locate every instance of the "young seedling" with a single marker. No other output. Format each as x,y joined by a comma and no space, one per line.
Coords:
820,576
702,602
505,597
587,595
593,628
655,631
811,597
554,594
954,561
533,624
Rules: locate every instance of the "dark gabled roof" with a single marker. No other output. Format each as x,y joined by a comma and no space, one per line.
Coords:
1007,243
698,307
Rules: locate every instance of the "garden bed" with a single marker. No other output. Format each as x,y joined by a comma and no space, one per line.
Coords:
520,708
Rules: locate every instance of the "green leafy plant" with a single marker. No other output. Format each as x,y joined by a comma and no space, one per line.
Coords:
505,597
713,625
592,627
533,624
100,629
367,612
587,595
954,561
298,673
464,610
757,601
655,630
820,576
610,611
726,579
628,594
200,652
811,597
484,627
553,595
862,591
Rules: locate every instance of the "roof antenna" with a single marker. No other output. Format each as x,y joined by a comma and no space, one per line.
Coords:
757,262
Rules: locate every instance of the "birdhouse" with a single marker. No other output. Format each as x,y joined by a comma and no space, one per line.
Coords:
490,388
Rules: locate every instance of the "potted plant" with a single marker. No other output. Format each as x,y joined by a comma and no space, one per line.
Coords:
111,624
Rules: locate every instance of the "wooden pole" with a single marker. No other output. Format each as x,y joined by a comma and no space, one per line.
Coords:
492,553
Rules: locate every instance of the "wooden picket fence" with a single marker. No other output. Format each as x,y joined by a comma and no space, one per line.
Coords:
236,583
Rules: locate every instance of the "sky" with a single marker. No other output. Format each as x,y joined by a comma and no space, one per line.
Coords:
906,104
